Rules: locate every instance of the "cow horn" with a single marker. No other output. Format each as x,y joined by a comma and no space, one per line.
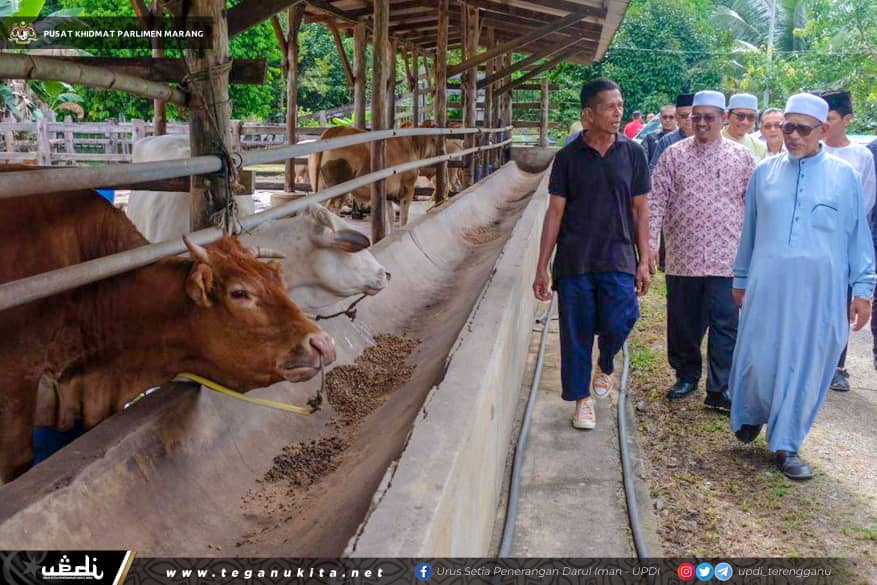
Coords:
269,253
198,252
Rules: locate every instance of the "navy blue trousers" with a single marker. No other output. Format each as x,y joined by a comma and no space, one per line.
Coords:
596,303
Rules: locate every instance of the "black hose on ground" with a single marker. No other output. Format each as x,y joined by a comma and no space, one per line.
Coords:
508,534
639,542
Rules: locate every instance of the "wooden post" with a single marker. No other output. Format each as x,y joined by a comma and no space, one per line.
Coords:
236,127
113,135
159,107
295,15
391,84
440,103
414,85
378,148
487,159
211,109
138,131
543,120
44,149
359,75
68,135
470,79
507,107
9,137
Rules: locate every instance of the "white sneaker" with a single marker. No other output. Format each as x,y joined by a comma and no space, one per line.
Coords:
603,383
584,418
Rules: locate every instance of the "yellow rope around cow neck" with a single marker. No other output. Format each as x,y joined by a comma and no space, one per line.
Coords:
216,387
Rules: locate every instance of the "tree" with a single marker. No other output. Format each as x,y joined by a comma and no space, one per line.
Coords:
662,48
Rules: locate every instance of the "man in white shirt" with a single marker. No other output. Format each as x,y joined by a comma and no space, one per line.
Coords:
840,113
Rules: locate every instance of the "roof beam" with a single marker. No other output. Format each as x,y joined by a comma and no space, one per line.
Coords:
536,71
523,25
345,63
535,35
520,64
566,6
249,13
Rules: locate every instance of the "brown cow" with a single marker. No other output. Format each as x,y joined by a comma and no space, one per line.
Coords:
220,313
343,164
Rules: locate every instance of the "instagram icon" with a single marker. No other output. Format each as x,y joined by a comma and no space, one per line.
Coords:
686,572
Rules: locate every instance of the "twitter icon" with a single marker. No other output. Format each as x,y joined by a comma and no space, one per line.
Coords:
704,572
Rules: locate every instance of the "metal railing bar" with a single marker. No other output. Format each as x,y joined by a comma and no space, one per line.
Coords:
26,290
55,180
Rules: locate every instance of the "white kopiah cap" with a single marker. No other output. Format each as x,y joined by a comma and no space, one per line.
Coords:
709,98
743,101
808,104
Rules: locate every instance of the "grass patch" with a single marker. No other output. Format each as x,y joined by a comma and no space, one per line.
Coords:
644,359
717,425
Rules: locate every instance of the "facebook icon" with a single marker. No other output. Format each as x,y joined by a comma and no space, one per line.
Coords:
423,572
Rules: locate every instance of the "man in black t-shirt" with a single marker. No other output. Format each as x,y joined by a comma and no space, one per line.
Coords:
598,218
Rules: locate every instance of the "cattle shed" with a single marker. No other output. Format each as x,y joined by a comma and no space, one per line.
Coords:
419,32
182,473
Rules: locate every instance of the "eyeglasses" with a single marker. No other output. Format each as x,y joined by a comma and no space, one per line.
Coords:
741,116
771,126
803,129
682,115
708,118
670,117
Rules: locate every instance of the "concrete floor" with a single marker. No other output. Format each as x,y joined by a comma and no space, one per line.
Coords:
571,500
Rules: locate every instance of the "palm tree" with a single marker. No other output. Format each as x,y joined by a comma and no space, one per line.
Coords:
762,25
749,21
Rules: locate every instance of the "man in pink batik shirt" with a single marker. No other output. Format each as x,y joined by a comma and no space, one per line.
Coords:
698,197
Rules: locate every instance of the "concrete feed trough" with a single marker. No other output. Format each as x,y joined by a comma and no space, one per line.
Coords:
186,472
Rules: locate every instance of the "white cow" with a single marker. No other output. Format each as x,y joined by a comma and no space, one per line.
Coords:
325,258
164,215
325,261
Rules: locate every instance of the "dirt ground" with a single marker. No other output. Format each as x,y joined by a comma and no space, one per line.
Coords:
715,497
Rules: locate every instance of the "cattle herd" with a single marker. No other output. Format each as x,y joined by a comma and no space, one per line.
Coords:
220,311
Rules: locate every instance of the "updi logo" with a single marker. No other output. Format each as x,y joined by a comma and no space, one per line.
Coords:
423,572
685,571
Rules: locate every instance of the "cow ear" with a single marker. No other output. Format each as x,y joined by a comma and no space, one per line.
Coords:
321,216
350,241
199,284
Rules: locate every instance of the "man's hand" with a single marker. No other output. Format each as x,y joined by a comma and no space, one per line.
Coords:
654,257
738,294
643,278
860,311
542,285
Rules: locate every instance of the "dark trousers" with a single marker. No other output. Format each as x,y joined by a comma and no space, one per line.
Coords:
662,253
874,325
601,303
694,304
843,356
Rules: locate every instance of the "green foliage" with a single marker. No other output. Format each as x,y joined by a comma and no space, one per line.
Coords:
662,48
840,40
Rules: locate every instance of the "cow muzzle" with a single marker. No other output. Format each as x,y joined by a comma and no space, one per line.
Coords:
317,350
377,284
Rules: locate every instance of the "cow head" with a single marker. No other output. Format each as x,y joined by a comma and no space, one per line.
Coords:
426,146
245,329
339,265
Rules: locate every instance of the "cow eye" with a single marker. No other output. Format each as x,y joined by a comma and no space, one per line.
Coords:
240,293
